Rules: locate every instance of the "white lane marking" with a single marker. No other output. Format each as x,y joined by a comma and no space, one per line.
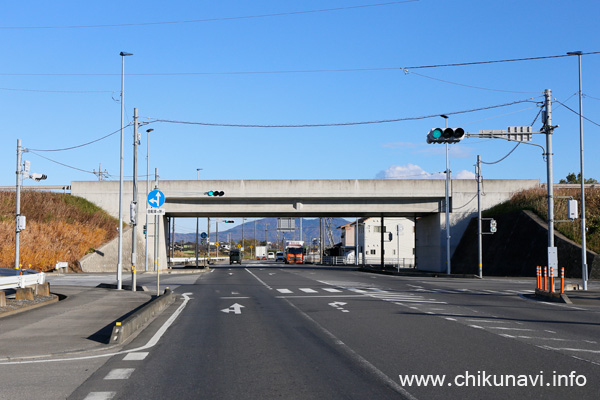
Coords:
120,373
547,338
358,358
330,296
151,343
331,290
308,290
490,321
284,291
450,319
258,279
505,328
138,356
235,297
100,396
570,349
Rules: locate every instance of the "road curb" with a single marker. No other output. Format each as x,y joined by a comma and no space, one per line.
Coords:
54,299
553,297
124,329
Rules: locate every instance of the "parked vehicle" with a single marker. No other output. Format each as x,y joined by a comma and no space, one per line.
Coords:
294,252
279,256
235,255
261,252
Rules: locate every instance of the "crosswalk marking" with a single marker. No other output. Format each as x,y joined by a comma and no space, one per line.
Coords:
100,396
137,356
332,290
308,290
284,291
120,373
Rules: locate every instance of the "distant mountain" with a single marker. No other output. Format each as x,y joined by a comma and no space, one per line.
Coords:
310,230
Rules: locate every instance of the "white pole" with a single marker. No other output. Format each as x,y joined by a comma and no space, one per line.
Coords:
584,270
18,211
120,228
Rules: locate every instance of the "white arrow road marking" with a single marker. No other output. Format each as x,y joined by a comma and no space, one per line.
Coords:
236,309
338,305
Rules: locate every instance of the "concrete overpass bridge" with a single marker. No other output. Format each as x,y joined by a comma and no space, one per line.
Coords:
422,200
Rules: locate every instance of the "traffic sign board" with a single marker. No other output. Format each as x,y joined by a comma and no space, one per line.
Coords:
203,235
155,211
156,198
217,244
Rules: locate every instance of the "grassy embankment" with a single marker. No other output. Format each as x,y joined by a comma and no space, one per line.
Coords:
60,227
535,200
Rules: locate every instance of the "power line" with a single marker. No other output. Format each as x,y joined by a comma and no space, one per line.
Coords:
336,123
575,112
212,19
495,61
462,84
59,163
59,91
84,144
300,71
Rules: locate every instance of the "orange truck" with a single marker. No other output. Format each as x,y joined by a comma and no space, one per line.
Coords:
294,252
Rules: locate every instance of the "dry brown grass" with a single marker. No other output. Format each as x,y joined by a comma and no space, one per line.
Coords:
60,227
536,200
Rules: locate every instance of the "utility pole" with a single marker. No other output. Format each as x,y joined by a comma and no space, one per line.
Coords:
134,203
549,130
17,224
479,234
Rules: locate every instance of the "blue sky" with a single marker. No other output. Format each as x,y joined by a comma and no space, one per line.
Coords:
315,62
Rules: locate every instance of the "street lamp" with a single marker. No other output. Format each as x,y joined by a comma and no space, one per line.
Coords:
584,271
120,257
147,192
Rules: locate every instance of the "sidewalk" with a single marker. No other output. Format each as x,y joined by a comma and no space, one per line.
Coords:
81,322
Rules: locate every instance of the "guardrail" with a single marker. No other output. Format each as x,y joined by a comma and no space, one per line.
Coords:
185,260
341,260
28,278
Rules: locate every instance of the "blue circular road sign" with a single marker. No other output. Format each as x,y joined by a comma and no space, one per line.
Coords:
156,198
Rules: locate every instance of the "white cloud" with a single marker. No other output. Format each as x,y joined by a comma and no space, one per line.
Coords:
411,171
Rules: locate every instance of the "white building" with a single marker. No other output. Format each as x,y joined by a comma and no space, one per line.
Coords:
398,241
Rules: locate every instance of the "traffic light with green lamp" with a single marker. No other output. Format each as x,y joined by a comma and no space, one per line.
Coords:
448,135
228,221
215,193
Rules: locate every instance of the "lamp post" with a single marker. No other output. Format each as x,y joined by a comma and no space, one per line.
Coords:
120,257
147,192
584,271
448,267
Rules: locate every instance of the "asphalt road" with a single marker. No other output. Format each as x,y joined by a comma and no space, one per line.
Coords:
265,332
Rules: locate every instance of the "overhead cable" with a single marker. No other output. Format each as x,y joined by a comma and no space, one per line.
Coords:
301,70
229,125
84,144
389,3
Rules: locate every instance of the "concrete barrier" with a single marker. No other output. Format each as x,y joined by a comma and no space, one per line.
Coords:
42,289
2,298
24,293
122,330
